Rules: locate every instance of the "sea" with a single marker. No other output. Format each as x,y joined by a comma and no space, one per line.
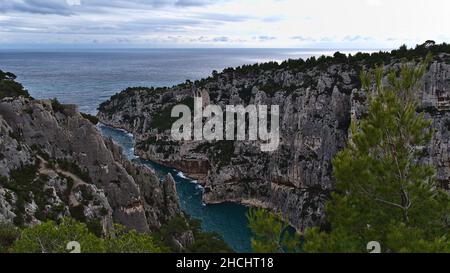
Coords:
87,77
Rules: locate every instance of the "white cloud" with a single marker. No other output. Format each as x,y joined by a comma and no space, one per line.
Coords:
246,23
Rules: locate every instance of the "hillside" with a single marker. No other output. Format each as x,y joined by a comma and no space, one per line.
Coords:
54,163
318,99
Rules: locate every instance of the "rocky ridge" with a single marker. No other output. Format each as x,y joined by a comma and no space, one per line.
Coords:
55,163
318,98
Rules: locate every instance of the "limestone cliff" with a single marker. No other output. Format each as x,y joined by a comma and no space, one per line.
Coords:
317,99
55,163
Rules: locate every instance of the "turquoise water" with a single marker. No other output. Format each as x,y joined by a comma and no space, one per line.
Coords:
227,219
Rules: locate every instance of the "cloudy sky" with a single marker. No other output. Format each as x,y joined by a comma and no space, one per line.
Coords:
222,23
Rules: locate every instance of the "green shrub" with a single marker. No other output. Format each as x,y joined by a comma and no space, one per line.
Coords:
204,242
163,120
93,119
57,106
8,234
130,241
95,226
22,182
77,213
50,237
9,87
209,242
73,168
270,233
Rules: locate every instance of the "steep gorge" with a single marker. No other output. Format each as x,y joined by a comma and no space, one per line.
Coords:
318,98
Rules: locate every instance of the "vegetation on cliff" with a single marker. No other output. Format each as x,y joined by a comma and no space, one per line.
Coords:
367,60
93,119
358,61
270,233
384,192
9,87
204,242
54,237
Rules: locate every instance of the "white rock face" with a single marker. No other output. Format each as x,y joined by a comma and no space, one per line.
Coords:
73,171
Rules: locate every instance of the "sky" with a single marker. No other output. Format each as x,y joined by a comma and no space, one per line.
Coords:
223,23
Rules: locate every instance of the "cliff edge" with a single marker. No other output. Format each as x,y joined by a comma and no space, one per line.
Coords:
318,98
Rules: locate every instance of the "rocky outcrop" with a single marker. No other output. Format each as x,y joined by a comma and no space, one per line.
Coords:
317,100
55,163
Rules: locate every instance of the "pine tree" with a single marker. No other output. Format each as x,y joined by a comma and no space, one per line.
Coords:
384,192
270,233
